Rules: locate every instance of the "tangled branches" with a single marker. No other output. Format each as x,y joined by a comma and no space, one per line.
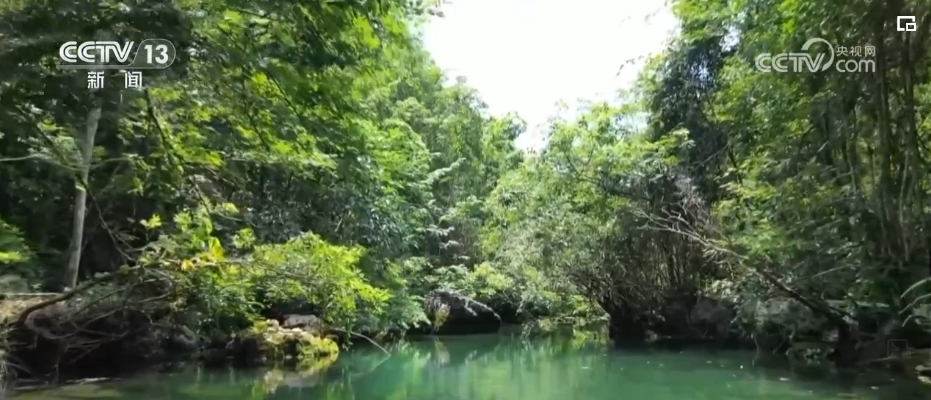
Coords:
107,309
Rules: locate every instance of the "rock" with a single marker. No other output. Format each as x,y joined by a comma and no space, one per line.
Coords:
308,323
696,319
509,313
457,314
808,352
279,310
714,318
13,283
787,318
180,341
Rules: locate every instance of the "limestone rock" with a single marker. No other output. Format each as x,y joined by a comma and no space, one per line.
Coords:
309,323
456,314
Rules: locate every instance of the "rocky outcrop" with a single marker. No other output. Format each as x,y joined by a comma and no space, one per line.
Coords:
627,326
780,322
452,313
310,323
715,320
682,320
299,339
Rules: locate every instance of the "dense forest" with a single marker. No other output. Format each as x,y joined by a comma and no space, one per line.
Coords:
312,152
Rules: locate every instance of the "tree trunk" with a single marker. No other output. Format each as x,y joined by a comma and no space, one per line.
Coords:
80,199
845,350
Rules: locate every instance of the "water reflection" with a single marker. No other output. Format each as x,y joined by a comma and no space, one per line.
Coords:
561,367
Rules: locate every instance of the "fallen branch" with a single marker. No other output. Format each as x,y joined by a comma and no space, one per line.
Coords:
370,340
24,315
678,224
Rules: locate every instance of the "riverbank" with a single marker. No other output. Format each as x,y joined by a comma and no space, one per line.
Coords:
108,340
507,366
53,336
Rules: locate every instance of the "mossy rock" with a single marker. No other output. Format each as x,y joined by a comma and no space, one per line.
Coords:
282,344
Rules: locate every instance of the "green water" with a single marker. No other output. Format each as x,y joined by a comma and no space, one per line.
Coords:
506,368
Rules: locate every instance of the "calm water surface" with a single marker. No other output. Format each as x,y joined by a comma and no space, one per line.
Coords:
502,367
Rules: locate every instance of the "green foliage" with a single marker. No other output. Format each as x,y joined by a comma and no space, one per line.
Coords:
13,249
809,188
550,217
312,152
306,152
744,185
440,316
309,269
306,269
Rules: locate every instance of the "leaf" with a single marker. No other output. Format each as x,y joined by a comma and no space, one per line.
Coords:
152,223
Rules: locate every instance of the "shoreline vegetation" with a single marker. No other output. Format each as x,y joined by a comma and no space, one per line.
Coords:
305,177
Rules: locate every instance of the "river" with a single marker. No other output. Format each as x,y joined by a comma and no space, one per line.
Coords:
504,367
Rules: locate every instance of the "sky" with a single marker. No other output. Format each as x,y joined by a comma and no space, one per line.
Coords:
524,56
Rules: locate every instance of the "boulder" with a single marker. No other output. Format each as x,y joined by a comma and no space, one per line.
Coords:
10,283
714,320
308,323
453,313
696,320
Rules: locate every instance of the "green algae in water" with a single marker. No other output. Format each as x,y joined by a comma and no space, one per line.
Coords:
506,368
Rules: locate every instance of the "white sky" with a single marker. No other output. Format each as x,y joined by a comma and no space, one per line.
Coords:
527,55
